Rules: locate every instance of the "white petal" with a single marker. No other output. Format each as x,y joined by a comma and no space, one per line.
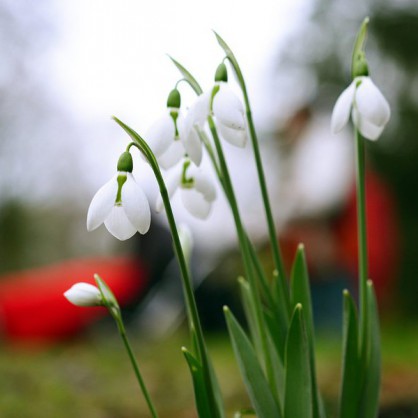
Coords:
195,203
371,104
193,146
366,128
228,109
199,110
172,155
172,183
118,224
204,185
342,108
101,204
84,294
237,137
136,205
161,134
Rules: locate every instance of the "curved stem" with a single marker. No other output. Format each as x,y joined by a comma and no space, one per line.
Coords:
186,280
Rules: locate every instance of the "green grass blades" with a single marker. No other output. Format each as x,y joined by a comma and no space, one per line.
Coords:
201,397
263,401
300,294
371,390
351,372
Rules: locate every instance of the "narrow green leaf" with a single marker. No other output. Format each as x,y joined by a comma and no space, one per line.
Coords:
188,77
262,399
351,373
371,391
359,43
298,389
201,398
300,294
250,315
231,57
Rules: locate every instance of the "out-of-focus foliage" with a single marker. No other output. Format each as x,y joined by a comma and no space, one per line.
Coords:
318,54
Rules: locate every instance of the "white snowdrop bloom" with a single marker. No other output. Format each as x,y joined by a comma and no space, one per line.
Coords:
172,136
84,294
196,189
369,110
121,205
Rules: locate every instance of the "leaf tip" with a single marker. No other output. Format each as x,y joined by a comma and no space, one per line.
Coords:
226,309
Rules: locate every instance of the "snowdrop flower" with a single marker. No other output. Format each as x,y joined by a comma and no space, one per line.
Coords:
84,294
196,189
120,204
369,109
225,106
172,136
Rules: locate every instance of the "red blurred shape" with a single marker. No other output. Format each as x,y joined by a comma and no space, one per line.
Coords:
33,308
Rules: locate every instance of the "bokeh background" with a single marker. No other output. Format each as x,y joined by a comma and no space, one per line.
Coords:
66,67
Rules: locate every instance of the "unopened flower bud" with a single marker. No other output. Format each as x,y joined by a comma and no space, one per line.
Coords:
84,294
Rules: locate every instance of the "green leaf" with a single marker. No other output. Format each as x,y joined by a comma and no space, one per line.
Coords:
351,372
202,400
371,390
188,77
250,314
262,399
298,389
300,294
359,44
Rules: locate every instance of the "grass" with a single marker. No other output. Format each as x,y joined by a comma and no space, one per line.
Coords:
91,377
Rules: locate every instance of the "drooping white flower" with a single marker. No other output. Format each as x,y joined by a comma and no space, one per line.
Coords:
84,294
120,204
225,106
369,109
172,136
196,189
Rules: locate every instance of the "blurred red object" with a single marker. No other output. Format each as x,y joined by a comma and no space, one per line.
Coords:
33,308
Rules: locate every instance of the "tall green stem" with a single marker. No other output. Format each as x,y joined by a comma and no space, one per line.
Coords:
244,245
361,232
186,280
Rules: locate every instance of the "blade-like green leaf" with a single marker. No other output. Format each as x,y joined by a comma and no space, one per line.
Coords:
250,315
202,400
359,43
188,77
262,399
300,293
230,55
298,390
371,391
351,373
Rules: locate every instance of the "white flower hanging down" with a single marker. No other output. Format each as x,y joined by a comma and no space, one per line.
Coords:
84,294
172,136
196,189
370,111
120,204
225,106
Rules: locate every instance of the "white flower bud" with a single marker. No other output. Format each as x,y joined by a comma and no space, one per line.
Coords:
84,294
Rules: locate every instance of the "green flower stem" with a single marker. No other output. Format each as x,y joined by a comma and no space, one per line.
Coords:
135,366
361,233
186,280
277,255
243,242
